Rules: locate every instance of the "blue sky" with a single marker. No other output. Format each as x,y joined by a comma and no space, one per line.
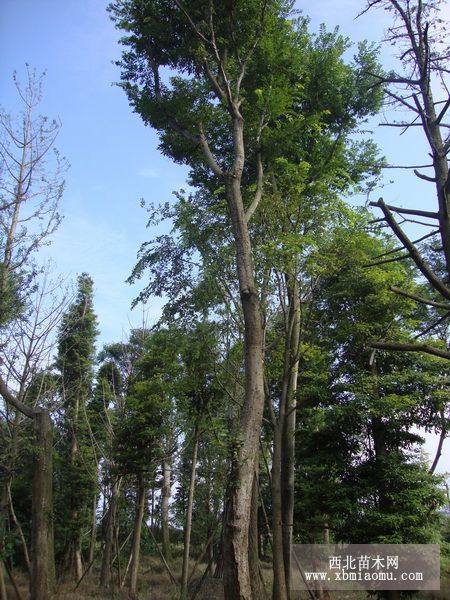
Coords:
114,158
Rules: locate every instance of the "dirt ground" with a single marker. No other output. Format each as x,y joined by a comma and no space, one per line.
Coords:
155,584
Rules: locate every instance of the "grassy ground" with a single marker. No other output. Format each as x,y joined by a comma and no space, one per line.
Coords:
155,584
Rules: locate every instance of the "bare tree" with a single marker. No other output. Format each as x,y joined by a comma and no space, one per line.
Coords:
420,89
30,190
31,187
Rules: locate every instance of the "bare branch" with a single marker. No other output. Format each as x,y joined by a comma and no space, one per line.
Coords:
406,347
432,326
442,113
424,177
420,299
408,211
424,268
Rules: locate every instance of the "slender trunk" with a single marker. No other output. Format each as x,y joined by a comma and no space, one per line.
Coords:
210,558
188,524
126,570
73,558
13,583
42,582
106,568
3,594
218,571
3,518
93,533
20,532
282,478
165,499
140,506
258,588
152,515
288,434
237,584
279,591
442,437
326,533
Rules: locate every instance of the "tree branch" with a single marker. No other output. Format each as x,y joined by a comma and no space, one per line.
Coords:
424,268
424,177
442,113
408,211
442,437
411,348
420,299
211,161
259,188
13,401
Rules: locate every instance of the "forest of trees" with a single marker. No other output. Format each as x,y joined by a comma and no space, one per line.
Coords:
302,352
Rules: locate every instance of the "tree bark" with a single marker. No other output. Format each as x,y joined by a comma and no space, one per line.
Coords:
237,584
279,591
165,499
188,524
42,582
140,506
258,588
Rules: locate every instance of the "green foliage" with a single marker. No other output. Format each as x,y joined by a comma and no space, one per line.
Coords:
76,476
361,472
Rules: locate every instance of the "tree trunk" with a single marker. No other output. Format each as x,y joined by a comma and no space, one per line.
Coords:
283,460
3,517
93,533
288,434
42,582
73,559
258,588
279,591
188,524
3,594
165,499
140,506
237,585
106,568
19,531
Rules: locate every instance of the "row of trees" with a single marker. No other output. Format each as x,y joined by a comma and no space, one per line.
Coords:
263,407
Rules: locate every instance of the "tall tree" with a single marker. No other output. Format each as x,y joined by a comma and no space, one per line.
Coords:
31,186
202,116
78,470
